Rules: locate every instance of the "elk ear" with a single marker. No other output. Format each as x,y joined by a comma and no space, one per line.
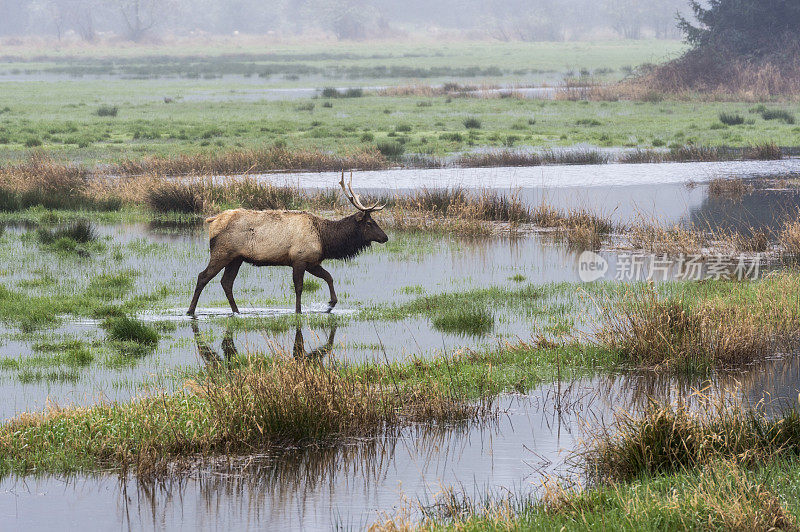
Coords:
360,216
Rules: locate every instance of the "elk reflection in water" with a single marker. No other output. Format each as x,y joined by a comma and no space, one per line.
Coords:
229,351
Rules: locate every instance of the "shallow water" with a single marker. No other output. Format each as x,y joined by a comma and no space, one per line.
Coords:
355,485
350,486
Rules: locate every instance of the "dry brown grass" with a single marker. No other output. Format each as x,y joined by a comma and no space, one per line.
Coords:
717,78
789,237
580,228
497,158
459,211
677,240
709,427
253,161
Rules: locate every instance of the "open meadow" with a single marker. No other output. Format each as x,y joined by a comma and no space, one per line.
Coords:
585,315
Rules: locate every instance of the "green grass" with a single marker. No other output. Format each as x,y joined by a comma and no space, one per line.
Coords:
464,320
127,329
54,114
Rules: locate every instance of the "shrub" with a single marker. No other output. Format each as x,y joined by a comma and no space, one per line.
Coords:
171,196
472,123
731,119
107,110
390,149
66,238
778,114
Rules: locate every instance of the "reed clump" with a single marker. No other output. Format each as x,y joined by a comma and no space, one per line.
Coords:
458,210
789,237
670,240
244,407
580,229
738,324
667,438
499,158
42,181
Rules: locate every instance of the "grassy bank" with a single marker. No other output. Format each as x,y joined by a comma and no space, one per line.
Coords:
702,325
252,403
717,465
721,496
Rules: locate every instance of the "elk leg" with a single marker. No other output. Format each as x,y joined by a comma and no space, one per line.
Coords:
298,271
322,273
203,279
228,277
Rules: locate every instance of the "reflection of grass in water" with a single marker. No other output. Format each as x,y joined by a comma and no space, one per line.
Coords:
27,376
714,463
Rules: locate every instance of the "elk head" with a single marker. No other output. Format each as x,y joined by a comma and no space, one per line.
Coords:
370,230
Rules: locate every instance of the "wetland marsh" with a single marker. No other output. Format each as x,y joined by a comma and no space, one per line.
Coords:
499,322
585,316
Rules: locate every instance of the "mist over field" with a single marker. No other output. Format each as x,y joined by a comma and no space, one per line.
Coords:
505,20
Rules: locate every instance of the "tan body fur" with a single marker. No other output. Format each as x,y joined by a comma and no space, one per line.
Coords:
266,238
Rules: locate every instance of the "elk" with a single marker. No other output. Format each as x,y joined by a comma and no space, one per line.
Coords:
286,238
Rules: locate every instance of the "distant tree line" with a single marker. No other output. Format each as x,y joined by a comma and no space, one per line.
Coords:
526,20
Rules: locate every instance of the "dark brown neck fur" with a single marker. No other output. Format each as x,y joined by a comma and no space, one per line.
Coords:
341,239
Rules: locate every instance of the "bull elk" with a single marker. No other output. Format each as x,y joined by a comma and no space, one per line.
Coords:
286,238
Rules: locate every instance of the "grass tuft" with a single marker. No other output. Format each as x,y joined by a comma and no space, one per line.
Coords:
731,119
469,320
127,329
721,324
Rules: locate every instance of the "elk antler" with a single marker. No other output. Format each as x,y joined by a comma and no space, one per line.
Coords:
354,199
